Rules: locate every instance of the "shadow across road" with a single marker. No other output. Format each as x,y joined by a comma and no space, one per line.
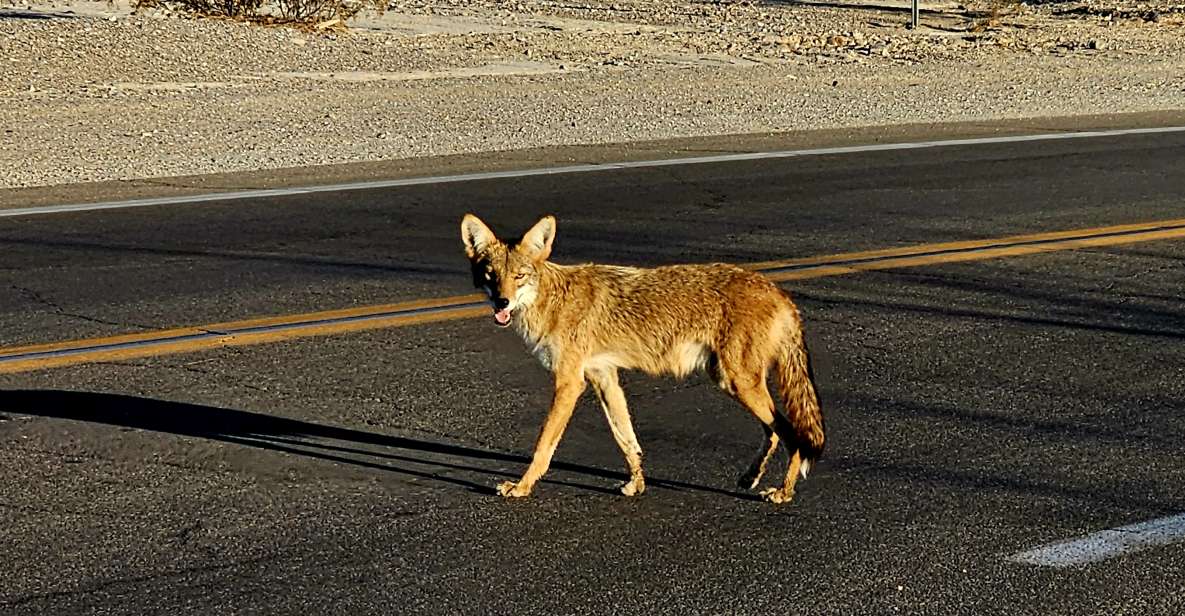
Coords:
436,461
313,262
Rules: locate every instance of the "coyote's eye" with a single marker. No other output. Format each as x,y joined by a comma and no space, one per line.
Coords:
520,276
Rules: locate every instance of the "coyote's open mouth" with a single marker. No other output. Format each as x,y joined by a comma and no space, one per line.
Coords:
502,317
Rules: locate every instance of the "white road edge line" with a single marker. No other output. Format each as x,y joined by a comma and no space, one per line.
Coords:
1106,544
494,175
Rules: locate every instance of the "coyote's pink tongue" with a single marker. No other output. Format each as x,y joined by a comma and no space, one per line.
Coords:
502,317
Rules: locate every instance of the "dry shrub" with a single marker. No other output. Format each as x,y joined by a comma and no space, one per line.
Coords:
319,13
990,14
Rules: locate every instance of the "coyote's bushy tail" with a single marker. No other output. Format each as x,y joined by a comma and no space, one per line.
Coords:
796,382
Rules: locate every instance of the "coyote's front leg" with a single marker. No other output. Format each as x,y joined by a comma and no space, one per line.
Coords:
569,384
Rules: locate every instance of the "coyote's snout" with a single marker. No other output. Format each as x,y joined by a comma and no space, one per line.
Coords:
585,322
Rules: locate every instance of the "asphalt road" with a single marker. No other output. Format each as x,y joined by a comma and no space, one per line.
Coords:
975,409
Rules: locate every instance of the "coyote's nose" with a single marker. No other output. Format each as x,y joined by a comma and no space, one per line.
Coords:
501,302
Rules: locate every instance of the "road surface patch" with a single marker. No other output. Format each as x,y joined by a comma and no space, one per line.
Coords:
274,329
585,168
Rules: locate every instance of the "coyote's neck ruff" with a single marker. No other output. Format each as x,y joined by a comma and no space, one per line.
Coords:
585,322
541,306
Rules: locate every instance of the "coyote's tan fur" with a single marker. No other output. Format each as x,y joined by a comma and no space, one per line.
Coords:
585,322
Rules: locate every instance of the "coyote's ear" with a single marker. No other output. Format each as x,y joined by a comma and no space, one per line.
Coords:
537,241
476,235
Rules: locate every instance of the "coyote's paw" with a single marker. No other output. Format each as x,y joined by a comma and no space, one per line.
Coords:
633,487
777,495
510,489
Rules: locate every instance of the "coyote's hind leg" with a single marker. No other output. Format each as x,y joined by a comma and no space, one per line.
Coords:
769,444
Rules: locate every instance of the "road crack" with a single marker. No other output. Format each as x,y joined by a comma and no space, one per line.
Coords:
191,368
714,199
129,581
37,298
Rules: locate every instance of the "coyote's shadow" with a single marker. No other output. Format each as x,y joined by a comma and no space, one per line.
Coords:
331,443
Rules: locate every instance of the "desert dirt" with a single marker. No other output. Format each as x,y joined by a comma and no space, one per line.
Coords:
95,91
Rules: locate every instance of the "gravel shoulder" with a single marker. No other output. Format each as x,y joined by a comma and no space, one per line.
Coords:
91,91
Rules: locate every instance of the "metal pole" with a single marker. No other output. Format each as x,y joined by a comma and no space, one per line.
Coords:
913,14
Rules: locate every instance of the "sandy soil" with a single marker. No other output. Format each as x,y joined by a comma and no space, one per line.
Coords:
94,91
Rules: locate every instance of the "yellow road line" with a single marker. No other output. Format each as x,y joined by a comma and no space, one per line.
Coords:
970,244
229,326
272,329
169,347
977,254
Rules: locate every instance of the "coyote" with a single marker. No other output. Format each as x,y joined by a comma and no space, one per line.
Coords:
584,322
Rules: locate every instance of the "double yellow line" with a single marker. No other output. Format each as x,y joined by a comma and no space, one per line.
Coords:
972,250
272,329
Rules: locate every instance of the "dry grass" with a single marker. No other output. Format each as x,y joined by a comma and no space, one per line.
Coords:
320,14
